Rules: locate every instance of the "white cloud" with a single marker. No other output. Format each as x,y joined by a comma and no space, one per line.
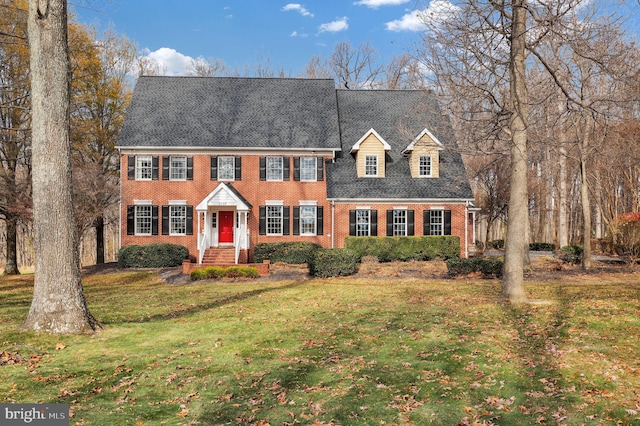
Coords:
298,8
374,4
169,61
335,26
418,20
297,34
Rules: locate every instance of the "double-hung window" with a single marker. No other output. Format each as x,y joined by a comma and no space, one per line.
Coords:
143,219
308,220
177,220
436,222
371,165
274,220
226,168
363,223
178,168
399,222
308,169
424,166
274,168
144,167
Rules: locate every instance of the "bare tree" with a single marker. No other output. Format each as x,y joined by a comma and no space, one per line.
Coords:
58,304
354,68
207,67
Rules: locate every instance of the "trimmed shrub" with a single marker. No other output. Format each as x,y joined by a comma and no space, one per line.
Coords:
495,244
334,262
488,267
152,256
389,249
292,252
542,247
213,272
571,254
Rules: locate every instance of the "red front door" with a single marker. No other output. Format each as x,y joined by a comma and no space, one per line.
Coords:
225,227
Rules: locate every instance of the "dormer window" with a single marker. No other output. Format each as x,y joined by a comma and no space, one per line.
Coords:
371,166
424,167
370,153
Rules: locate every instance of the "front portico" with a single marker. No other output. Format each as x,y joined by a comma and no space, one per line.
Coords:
222,220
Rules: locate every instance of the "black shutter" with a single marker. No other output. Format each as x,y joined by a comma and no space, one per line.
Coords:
165,167
296,168
447,222
389,223
352,223
320,166
238,175
165,220
154,220
320,220
154,165
131,220
286,166
296,220
131,170
214,168
374,223
189,220
426,222
286,210
410,222
189,168
263,168
263,221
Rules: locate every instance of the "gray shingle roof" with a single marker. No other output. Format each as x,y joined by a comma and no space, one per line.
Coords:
398,116
232,113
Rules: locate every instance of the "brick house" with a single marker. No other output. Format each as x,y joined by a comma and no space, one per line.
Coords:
221,164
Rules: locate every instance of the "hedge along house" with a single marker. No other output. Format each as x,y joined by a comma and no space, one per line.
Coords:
221,164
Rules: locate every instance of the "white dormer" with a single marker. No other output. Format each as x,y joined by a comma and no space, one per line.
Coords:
370,153
424,155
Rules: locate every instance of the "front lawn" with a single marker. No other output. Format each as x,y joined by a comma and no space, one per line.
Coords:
334,351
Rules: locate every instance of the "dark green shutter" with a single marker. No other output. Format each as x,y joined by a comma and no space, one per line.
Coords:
189,168
389,223
154,220
154,170
447,222
238,174
263,221
263,168
286,168
131,169
165,167
426,222
320,165
320,220
410,222
214,168
296,168
352,223
296,220
189,220
286,220
374,223
165,220
131,220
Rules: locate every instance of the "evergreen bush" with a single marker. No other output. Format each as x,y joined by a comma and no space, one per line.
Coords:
488,267
542,246
334,262
571,254
214,272
152,256
290,252
389,249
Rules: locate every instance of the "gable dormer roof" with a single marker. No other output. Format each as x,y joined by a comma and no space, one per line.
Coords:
426,131
371,131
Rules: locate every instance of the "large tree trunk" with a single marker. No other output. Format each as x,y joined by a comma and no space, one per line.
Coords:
563,228
99,226
518,219
11,267
584,194
58,304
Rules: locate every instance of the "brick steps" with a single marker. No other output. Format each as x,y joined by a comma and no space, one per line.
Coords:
219,256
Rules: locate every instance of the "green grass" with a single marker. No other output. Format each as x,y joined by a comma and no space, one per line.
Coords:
333,351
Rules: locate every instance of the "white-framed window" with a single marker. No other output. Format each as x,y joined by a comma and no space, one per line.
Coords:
399,222
424,166
363,223
436,222
178,168
177,220
371,165
274,168
308,220
144,167
143,219
274,220
308,169
226,168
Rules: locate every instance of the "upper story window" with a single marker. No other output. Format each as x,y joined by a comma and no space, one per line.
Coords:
424,166
274,168
144,167
371,165
308,169
226,168
178,168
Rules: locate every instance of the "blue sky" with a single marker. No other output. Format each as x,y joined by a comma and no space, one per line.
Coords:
280,34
